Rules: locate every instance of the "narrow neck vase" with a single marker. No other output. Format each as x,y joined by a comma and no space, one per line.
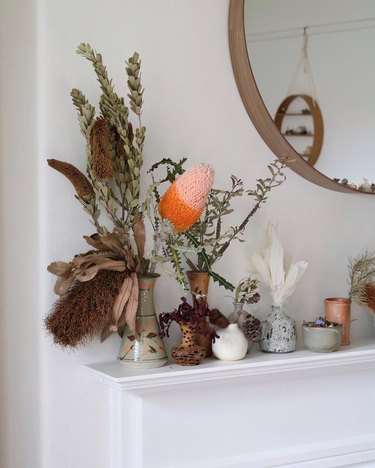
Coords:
143,349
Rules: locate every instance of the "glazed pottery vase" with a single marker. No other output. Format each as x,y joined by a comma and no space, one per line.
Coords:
337,310
278,332
199,282
188,353
145,348
231,345
322,339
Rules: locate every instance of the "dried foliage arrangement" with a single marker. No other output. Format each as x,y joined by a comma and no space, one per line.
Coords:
99,289
362,280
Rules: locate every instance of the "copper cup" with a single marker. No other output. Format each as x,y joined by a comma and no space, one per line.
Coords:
337,309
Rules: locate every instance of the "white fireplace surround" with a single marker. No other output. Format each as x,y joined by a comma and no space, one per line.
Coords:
309,395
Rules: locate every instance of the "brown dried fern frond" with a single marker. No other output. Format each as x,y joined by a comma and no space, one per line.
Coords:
101,149
84,310
79,181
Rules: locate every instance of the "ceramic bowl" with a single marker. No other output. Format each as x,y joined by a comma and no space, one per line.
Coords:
322,339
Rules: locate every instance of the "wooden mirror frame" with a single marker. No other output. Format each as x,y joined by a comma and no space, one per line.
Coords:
257,110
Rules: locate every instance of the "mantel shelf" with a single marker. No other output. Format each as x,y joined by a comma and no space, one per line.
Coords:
358,356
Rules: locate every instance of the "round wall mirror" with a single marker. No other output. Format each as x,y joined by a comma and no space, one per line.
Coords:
266,43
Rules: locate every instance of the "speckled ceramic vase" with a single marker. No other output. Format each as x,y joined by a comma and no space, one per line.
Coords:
146,350
278,332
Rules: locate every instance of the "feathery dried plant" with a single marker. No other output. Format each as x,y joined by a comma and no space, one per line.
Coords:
362,280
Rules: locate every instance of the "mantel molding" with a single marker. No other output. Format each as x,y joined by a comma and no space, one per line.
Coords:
359,356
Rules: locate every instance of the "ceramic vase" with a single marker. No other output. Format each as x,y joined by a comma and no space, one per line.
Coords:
278,332
188,353
231,345
199,282
245,321
145,348
337,310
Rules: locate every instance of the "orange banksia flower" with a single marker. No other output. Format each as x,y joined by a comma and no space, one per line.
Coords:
77,178
184,201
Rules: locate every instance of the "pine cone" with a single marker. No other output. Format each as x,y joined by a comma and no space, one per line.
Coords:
251,327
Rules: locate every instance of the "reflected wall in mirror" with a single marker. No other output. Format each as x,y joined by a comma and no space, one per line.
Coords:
341,51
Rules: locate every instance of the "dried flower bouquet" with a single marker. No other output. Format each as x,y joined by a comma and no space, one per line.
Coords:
98,289
207,240
270,266
104,278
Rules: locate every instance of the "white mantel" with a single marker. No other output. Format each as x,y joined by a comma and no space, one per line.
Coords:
312,396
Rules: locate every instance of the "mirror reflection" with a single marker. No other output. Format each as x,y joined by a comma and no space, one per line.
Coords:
338,72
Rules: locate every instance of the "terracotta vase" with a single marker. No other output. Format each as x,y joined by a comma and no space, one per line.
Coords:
144,349
337,309
199,282
188,353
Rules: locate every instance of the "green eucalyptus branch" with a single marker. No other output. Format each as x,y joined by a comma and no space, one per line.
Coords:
264,186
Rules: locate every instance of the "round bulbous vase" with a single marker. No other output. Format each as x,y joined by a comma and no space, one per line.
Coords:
278,332
232,344
188,353
145,348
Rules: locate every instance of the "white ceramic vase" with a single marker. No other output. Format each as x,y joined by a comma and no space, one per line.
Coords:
232,344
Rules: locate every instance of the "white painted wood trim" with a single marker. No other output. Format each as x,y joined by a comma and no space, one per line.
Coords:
358,356
334,453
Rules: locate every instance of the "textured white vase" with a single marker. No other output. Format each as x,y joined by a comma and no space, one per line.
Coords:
232,344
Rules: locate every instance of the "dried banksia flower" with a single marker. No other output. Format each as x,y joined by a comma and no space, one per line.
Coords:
130,133
77,178
218,319
85,309
101,149
184,201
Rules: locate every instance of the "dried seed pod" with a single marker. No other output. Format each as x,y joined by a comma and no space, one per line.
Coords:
218,319
251,327
76,177
101,149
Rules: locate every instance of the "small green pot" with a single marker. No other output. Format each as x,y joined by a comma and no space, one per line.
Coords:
322,339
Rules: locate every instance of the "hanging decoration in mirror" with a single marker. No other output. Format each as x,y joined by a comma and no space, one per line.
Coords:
298,117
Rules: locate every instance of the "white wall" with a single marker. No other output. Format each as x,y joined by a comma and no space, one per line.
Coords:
192,107
20,299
